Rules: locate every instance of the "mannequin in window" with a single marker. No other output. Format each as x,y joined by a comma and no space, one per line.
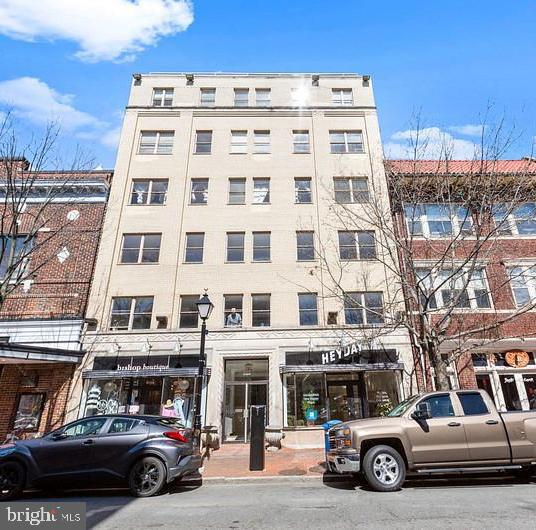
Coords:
233,318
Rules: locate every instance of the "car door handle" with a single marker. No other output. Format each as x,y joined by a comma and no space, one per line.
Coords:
492,422
454,424
88,442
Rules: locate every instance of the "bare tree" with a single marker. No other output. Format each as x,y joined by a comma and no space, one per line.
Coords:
27,242
440,228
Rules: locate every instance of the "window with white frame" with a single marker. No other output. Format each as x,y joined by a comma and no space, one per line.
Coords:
260,310
141,248
354,245
241,97
342,96
346,141
261,142
199,193
208,97
300,142
523,283
262,97
162,97
517,221
363,308
235,246
189,316
237,191
149,191
438,220
307,306
156,142
203,142
351,190
131,312
305,245
302,190
261,246
194,247
239,142
15,253
261,191
453,288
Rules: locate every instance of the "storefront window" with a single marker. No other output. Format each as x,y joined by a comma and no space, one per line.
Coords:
178,399
529,380
511,395
382,392
29,411
310,407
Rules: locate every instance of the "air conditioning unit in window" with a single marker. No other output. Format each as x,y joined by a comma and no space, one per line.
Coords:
91,324
332,318
161,322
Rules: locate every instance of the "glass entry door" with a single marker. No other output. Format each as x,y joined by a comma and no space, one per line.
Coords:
344,398
246,384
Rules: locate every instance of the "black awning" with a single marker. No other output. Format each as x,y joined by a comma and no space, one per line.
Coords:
332,368
14,352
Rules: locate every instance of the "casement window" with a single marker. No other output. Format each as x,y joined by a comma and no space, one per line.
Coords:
141,248
235,246
453,288
162,97
308,309
262,97
149,191
199,193
15,252
523,283
131,312
208,97
300,142
261,191
438,220
354,245
346,141
203,142
261,142
363,308
350,190
260,310
237,191
515,221
230,302
261,246
194,247
302,190
239,142
156,142
241,97
189,316
342,96
305,246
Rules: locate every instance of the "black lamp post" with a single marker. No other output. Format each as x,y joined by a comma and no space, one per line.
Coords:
204,308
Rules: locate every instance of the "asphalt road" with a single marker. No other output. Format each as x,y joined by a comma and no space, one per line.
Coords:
310,504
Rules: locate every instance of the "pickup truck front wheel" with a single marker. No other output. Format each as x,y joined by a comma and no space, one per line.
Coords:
384,468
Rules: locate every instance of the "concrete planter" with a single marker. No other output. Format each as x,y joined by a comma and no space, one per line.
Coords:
273,434
210,437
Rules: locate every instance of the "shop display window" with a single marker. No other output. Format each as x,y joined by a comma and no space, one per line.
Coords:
29,410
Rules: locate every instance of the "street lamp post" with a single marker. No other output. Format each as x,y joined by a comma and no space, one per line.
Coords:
204,308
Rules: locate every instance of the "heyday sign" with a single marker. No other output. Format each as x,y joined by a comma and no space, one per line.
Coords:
334,356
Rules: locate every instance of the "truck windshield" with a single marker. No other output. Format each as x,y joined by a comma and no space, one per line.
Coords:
402,407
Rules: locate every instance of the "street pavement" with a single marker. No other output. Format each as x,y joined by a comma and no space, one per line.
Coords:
311,503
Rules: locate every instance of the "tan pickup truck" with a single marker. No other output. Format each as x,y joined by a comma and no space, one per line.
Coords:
439,432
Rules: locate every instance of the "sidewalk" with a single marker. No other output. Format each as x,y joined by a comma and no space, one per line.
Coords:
232,460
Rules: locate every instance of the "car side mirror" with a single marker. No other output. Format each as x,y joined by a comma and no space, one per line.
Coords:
423,411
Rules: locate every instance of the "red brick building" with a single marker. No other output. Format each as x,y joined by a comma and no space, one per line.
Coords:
55,227
493,287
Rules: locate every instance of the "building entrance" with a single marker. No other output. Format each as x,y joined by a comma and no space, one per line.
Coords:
246,384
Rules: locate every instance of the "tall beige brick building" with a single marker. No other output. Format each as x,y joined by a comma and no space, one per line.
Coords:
226,182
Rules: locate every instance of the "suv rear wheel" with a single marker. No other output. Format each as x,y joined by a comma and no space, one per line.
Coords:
147,477
12,480
384,468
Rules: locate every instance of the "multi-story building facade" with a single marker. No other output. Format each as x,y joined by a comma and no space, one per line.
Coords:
476,248
58,220
226,182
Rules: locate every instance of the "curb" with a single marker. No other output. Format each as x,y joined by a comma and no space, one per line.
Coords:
271,479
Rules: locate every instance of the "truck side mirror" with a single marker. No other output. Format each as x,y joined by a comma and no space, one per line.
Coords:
423,411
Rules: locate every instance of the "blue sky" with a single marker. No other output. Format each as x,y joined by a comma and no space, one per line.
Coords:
74,59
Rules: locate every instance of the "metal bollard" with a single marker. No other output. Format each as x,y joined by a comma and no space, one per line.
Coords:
256,446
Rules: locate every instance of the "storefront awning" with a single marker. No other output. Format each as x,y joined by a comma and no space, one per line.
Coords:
330,368
115,374
21,353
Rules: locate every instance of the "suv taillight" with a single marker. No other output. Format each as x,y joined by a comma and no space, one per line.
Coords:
178,436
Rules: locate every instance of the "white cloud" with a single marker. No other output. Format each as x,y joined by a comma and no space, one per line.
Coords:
430,143
468,130
103,29
32,100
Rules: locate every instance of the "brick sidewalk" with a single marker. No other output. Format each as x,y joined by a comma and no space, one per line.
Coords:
232,460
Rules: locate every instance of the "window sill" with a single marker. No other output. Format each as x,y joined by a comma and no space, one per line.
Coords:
192,262
236,204
198,204
261,261
301,152
141,263
261,203
232,262
306,260
194,153
146,204
304,203
153,154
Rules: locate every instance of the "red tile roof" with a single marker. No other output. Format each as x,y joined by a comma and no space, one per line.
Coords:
459,167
